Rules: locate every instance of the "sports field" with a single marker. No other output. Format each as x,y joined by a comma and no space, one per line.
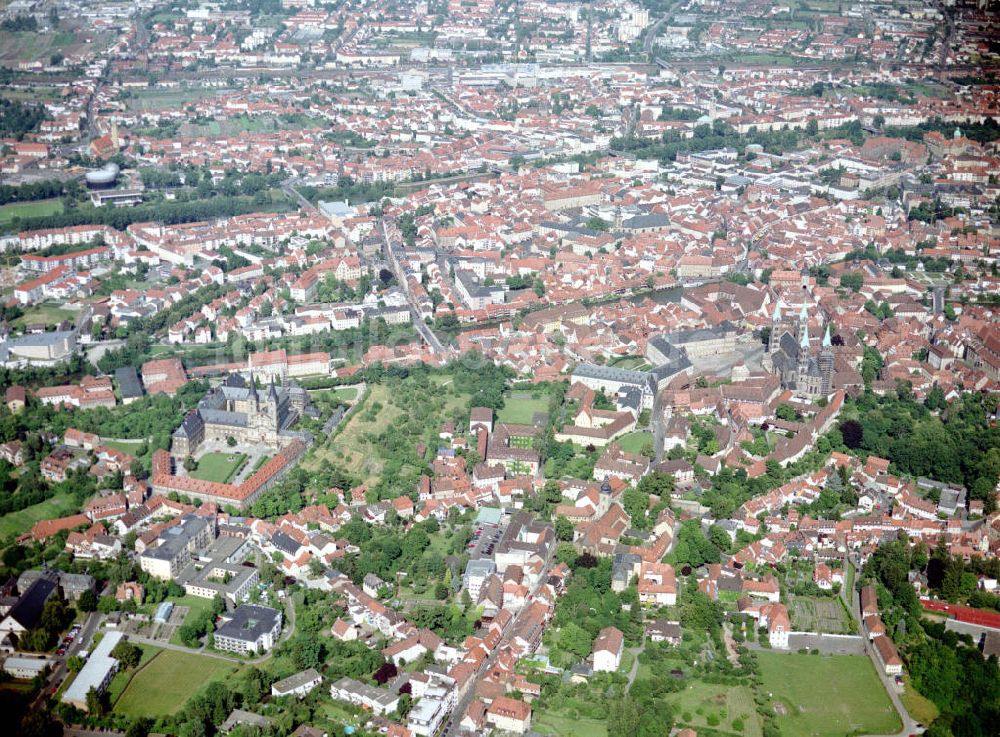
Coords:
38,208
219,467
168,681
826,695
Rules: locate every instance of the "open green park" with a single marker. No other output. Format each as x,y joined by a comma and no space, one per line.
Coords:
168,680
826,695
220,467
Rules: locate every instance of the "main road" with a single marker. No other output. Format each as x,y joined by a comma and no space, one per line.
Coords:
288,187
418,322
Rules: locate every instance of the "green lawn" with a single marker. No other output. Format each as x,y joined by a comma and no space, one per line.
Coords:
260,462
634,363
345,394
828,695
121,680
700,701
38,208
168,681
920,707
521,410
16,523
125,446
634,442
46,313
218,466
563,725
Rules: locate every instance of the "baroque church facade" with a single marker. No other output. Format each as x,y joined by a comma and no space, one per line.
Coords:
239,409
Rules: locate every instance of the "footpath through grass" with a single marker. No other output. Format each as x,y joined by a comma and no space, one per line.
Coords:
826,695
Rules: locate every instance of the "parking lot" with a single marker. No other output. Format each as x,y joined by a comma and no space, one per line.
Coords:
484,541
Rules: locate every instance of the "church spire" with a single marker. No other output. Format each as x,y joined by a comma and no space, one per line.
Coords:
804,343
777,311
804,313
827,339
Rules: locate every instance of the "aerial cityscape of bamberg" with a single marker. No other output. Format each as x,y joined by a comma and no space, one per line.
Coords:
478,368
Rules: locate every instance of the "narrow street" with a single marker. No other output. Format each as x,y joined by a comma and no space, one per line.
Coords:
451,725
909,723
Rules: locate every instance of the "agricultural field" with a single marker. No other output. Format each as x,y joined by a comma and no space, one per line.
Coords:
37,208
168,680
219,467
826,695
27,46
728,709
816,614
